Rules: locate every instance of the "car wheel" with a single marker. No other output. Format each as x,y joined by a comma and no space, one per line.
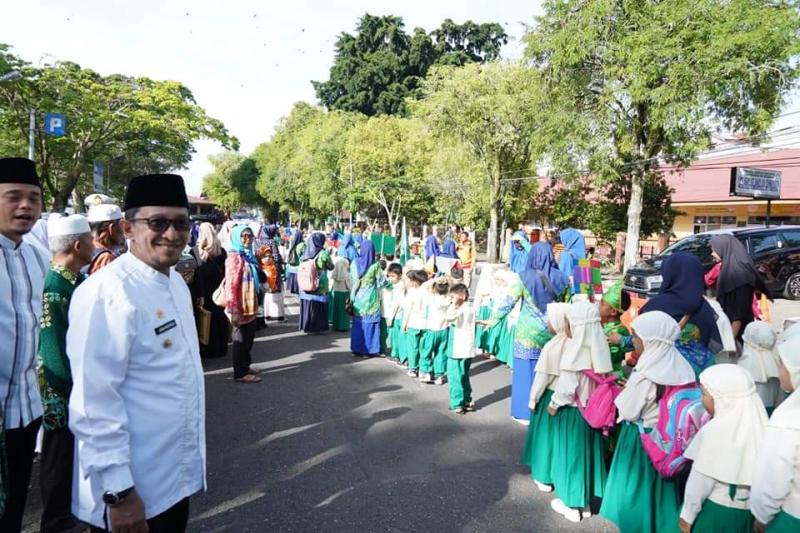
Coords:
792,290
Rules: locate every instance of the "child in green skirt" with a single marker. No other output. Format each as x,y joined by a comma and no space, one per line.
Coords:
340,292
636,498
775,495
538,451
724,453
484,305
392,313
578,467
500,337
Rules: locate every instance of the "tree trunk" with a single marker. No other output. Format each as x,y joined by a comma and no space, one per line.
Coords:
618,256
492,241
634,222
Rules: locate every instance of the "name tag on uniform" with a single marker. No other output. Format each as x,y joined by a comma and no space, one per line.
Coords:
163,328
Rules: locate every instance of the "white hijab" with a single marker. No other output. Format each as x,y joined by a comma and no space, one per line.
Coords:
759,356
550,358
485,283
587,348
726,447
661,362
787,415
791,331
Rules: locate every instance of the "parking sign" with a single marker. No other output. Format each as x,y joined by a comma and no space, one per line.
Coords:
55,124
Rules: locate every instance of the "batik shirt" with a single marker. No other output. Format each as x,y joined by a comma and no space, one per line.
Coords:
55,379
531,330
366,292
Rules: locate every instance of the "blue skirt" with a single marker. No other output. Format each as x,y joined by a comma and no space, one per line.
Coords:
521,382
365,337
291,283
313,316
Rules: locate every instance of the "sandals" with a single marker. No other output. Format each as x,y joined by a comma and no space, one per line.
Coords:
253,371
249,378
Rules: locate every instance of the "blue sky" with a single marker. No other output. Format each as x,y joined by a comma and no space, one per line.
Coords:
246,61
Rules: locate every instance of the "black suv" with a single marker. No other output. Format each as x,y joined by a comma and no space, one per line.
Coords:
775,250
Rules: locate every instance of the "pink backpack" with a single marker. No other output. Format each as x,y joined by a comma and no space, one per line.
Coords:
308,275
600,411
680,416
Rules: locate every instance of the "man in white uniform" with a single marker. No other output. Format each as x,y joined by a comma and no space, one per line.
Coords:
137,407
22,270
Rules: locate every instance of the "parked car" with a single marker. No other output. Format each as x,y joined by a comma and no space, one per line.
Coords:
775,251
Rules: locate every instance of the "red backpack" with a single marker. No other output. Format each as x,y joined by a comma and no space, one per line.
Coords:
600,411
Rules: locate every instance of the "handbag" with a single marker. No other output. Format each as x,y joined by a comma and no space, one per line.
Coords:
203,326
219,296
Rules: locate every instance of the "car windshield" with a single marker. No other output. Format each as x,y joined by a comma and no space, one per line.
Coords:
697,245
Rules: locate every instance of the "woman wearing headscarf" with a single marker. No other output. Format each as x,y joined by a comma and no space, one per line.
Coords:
273,296
578,467
530,335
738,280
293,254
636,498
545,282
314,305
724,453
209,276
681,294
243,278
366,280
574,250
340,292
347,248
449,248
775,494
520,248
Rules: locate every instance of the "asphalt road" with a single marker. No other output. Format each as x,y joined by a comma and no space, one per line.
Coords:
331,443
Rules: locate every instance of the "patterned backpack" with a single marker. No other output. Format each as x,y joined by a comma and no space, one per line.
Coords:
680,416
600,411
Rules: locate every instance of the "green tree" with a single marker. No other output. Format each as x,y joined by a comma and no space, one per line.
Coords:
232,182
642,82
495,109
388,156
376,69
134,124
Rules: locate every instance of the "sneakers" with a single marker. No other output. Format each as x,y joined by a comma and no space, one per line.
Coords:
460,411
470,407
440,380
426,378
411,373
543,487
573,515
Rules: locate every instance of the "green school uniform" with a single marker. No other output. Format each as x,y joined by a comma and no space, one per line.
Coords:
413,338
433,352
539,448
458,376
617,351
715,517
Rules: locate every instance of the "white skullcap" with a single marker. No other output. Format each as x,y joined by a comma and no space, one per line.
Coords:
104,213
59,225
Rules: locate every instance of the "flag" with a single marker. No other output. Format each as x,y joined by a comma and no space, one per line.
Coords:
405,252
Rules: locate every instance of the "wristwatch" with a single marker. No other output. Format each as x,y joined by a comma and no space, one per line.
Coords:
114,498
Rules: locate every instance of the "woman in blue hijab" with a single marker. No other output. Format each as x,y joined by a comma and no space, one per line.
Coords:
520,246
367,280
681,294
431,247
449,248
293,254
574,249
347,247
314,305
544,280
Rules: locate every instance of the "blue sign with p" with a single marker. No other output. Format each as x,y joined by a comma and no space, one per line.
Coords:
55,124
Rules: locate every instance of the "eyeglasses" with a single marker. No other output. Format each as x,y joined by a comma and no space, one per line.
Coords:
161,225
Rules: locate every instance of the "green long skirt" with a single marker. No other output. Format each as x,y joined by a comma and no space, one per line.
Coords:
578,463
384,337
483,335
784,523
714,517
538,450
503,347
637,499
337,316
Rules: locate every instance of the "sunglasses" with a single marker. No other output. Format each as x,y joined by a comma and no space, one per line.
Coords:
161,225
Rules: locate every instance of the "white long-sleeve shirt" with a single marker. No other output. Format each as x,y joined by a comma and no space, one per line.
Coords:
436,307
700,487
414,308
569,385
639,402
137,407
776,478
340,275
22,272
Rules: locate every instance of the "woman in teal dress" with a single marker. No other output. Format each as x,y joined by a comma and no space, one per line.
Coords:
636,497
367,280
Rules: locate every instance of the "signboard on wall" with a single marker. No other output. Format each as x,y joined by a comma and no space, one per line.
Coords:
756,183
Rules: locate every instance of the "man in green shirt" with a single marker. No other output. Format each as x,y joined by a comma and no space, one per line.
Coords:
70,241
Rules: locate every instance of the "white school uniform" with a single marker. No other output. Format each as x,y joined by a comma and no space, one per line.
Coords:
414,309
463,320
436,307
137,407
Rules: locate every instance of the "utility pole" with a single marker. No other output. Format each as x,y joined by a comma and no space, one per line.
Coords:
31,132
351,195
